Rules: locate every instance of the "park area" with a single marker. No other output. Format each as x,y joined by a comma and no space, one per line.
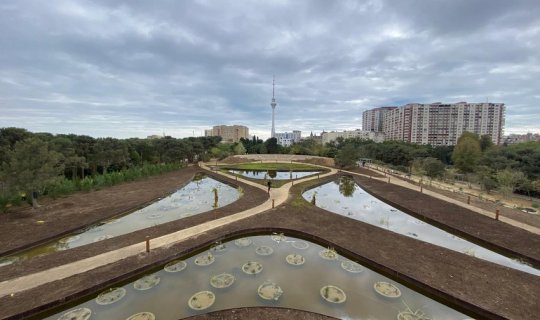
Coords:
210,241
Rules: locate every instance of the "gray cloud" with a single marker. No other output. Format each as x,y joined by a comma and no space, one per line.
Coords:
135,68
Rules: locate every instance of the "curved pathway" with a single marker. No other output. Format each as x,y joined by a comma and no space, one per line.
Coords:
402,183
278,195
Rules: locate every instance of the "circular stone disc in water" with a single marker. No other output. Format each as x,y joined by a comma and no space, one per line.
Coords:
147,282
295,259
243,242
70,239
205,260
221,281
175,266
352,266
202,300
269,291
110,296
264,251
328,254
252,267
142,316
103,237
386,289
300,244
333,294
77,314
408,315
155,215
278,237
218,248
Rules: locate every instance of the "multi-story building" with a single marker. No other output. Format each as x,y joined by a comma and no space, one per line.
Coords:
288,138
519,138
372,120
362,134
228,134
441,124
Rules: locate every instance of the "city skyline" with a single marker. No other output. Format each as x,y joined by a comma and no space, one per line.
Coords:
136,69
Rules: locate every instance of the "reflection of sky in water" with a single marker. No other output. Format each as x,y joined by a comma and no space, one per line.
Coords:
360,205
301,286
280,175
194,198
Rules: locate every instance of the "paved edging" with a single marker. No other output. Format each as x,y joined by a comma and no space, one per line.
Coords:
279,195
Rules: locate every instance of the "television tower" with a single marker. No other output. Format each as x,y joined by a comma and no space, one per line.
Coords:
273,105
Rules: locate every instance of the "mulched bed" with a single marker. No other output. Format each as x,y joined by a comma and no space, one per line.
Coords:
479,288
273,313
251,198
485,231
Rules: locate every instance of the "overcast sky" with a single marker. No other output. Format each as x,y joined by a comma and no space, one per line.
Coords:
137,68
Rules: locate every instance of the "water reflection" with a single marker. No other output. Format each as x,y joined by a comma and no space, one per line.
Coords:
273,174
200,195
346,186
239,277
357,204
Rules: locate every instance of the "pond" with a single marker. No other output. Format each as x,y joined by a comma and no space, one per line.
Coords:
273,174
194,198
348,199
268,270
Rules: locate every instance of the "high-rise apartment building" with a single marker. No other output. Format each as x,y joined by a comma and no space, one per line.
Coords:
372,120
441,124
229,134
288,138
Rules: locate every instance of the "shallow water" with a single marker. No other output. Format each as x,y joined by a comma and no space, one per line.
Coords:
273,174
348,199
196,197
301,286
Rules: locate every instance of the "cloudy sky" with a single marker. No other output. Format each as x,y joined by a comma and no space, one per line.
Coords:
137,68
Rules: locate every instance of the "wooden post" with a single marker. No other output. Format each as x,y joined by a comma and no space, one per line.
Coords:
147,244
318,176
388,179
273,203
497,214
421,189
236,178
292,182
468,199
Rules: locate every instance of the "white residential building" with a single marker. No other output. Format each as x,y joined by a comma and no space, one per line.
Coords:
362,134
288,138
441,124
372,120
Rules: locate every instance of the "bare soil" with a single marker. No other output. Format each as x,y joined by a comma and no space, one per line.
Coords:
477,287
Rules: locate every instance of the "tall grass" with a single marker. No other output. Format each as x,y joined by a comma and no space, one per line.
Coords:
66,186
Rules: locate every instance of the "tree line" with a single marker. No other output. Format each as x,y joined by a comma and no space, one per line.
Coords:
43,163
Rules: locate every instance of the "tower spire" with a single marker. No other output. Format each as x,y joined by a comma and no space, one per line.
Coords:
273,105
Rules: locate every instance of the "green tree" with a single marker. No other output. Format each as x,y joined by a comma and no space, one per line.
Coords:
467,152
272,147
239,148
347,156
485,142
31,167
509,180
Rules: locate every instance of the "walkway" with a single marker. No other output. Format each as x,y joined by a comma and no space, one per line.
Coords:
278,195
405,184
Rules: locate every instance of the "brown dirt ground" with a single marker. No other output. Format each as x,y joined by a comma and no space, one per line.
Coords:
515,214
476,287
274,313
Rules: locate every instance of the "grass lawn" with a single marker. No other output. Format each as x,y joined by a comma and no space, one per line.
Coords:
271,166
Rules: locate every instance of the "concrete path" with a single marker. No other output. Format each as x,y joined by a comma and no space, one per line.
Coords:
403,183
12,286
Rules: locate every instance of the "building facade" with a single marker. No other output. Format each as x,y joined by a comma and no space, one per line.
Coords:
362,134
372,120
441,124
288,138
228,134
